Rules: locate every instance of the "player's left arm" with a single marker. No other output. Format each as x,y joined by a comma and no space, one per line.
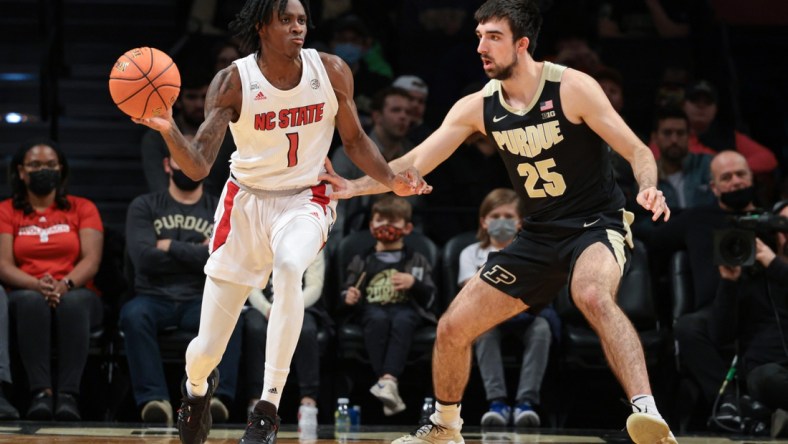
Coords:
358,146
583,100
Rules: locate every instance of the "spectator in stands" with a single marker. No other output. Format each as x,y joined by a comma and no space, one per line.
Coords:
306,360
224,53
708,135
352,42
391,289
751,307
167,237
612,84
417,88
189,113
391,118
701,357
50,250
500,216
7,411
683,176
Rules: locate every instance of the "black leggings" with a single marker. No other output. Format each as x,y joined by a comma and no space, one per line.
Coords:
79,311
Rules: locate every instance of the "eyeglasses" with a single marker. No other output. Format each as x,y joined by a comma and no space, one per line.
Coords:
36,165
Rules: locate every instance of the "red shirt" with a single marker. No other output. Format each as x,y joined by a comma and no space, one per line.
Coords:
759,158
48,241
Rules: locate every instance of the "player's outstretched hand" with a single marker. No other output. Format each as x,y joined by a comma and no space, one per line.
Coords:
409,182
161,124
653,200
341,188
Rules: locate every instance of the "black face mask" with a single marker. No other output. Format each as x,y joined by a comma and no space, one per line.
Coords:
739,199
183,182
43,181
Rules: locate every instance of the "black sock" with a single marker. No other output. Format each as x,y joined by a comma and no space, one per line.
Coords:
266,408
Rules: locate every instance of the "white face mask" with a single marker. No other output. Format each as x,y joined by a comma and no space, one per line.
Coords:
502,230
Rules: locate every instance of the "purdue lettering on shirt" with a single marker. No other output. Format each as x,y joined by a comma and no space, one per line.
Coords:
179,221
560,169
531,140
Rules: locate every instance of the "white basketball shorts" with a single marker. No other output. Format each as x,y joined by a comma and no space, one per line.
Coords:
247,220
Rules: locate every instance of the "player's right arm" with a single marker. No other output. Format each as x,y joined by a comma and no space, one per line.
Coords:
222,106
464,119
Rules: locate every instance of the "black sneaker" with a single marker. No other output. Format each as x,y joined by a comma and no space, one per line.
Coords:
67,408
40,407
261,428
194,416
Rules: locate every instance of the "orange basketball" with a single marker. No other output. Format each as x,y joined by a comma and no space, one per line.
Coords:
144,82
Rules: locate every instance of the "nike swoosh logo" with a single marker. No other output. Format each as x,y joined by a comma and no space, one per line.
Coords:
498,119
589,224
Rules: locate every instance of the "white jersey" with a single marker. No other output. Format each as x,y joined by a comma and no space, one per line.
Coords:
283,137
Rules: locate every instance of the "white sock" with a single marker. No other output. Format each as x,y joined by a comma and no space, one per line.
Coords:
274,384
447,415
644,404
196,390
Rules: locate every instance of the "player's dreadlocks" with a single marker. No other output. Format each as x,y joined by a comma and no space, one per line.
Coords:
256,13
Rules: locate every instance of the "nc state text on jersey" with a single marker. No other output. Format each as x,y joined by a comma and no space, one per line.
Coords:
289,117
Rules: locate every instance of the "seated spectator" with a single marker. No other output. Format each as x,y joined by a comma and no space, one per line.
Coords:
167,237
50,250
7,411
189,113
708,135
417,88
751,307
684,177
352,42
390,114
702,358
500,216
306,360
390,288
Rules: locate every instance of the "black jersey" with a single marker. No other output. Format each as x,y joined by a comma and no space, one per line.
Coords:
561,169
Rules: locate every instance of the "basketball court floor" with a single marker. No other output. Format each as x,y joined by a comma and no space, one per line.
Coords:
94,433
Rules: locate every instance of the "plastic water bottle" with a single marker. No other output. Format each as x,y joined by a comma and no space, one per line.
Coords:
342,415
427,409
355,415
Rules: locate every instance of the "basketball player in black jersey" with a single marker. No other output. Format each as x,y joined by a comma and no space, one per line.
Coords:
549,123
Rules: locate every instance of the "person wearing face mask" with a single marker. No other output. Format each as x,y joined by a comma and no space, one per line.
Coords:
391,290
703,359
50,250
353,42
189,112
500,216
167,234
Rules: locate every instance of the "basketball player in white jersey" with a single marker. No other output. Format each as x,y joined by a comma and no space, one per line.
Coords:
549,123
282,103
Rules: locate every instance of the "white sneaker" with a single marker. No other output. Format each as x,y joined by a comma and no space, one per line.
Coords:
387,392
644,428
432,434
307,416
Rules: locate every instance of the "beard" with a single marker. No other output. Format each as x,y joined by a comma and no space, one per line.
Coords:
502,72
674,153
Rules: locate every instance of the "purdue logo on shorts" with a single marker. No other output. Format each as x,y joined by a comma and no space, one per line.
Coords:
500,275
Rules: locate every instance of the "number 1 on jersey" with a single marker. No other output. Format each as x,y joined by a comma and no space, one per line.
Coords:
292,152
